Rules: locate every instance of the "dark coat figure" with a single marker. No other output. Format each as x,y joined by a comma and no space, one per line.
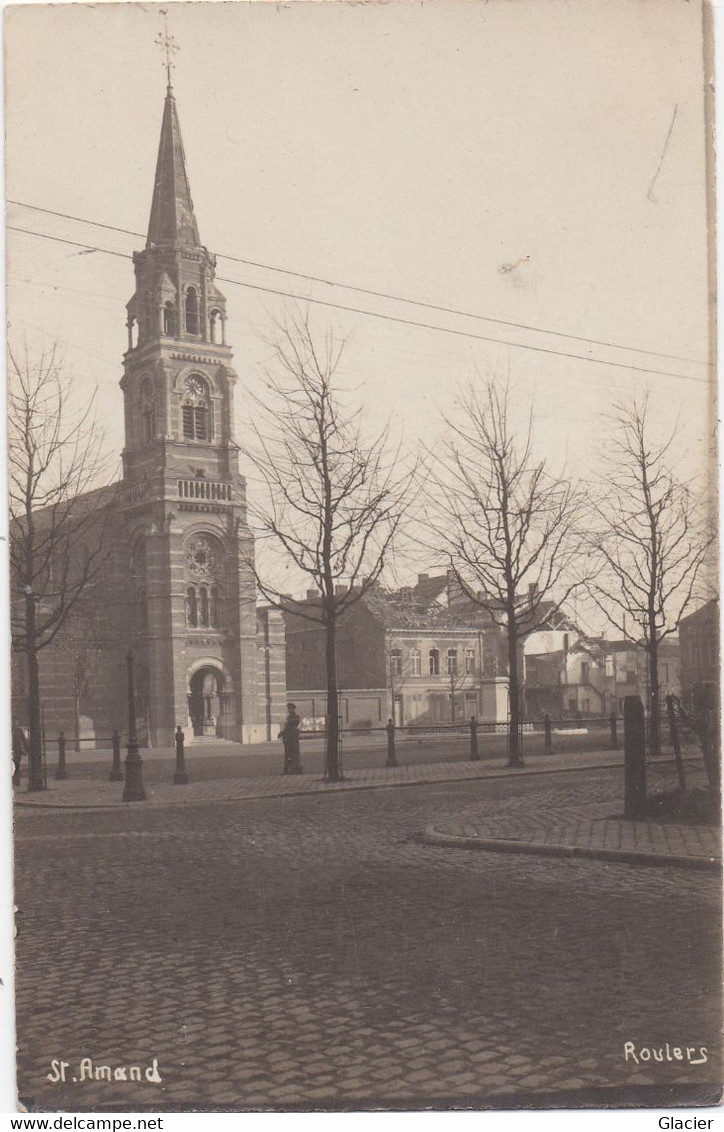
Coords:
19,748
290,735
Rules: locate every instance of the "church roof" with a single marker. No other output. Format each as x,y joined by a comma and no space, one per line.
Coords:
172,211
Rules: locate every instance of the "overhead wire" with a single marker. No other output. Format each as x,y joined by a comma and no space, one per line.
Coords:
380,294
388,317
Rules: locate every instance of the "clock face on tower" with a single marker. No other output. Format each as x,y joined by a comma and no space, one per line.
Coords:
195,386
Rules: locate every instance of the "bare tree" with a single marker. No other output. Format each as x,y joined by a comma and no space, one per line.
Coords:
57,526
507,527
459,680
652,540
334,501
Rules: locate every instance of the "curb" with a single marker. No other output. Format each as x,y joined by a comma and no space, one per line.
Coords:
323,788
434,837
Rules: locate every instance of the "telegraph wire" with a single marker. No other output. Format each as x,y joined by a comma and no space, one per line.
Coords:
378,294
388,317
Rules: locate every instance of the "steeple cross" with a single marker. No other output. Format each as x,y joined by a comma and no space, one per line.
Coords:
168,45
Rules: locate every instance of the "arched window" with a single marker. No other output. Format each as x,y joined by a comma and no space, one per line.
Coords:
395,662
195,409
169,320
138,559
192,311
434,662
215,607
192,619
141,611
415,662
452,662
148,411
215,326
203,607
204,565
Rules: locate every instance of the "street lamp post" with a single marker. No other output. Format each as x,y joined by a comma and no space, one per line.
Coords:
133,791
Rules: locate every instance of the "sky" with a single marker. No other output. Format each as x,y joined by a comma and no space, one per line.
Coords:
539,163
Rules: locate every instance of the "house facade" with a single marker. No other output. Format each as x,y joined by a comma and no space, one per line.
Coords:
699,637
569,675
402,654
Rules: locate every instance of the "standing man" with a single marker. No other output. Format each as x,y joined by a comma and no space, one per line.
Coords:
19,748
290,736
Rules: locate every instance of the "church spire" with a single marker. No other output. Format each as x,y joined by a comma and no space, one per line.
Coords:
172,212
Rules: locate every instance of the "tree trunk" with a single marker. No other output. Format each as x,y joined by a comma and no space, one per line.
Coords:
654,704
331,759
35,758
514,754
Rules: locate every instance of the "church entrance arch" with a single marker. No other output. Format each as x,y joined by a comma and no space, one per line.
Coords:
207,702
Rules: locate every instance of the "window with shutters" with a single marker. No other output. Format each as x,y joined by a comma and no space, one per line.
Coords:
196,409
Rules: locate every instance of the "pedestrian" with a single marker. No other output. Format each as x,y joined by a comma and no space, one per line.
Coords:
290,736
19,748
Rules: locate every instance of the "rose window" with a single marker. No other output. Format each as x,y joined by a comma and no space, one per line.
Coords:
200,558
204,597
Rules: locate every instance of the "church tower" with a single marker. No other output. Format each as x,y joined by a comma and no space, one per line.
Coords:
205,659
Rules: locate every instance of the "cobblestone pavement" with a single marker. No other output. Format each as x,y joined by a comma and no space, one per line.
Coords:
83,793
312,952
590,830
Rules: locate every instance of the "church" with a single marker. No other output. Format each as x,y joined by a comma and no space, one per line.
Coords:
178,589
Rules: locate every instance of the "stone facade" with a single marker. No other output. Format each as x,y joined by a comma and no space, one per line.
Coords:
178,587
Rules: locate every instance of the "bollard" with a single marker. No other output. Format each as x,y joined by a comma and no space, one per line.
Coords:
547,735
391,756
133,790
634,747
116,768
62,771
474,751
180,778
674,736
614,734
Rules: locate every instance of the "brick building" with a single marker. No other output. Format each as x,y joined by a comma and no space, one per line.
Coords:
178,586
401,652
699,637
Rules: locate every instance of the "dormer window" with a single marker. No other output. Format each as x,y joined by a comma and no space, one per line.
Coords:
192,311
195,409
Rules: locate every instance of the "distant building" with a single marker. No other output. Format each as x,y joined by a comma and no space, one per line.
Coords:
402,653
592,676
567,682
699,637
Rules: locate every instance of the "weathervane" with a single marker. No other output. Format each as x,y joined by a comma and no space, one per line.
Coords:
168,45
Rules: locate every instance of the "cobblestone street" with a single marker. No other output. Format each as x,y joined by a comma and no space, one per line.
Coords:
311,952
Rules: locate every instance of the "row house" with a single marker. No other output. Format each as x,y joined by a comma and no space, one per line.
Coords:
402,654
570,676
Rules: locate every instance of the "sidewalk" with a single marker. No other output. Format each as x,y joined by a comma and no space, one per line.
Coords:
589,829
87,794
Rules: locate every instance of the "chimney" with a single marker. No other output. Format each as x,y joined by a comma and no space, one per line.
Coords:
422,578
532,590
312,595
340,591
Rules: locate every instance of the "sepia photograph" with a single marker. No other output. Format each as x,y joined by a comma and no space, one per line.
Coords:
363,576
